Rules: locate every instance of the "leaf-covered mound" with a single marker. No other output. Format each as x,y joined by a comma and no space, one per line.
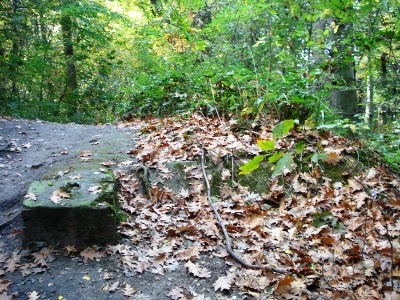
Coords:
330,220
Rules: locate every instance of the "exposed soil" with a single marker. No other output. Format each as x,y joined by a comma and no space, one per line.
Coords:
30,150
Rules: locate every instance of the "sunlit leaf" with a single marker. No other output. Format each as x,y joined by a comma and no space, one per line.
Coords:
300,146
282,128
285,163
265,145
251,165
275,157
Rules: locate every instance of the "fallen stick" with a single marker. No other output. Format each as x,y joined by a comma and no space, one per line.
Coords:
228,246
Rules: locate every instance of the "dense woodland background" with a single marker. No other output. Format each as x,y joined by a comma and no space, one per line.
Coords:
332,63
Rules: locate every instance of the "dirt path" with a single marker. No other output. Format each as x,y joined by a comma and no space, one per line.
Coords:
29,151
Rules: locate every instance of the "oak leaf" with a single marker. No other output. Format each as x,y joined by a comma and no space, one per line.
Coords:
332,158
128,290
223,283
354,185
185,254
91,254
33,295
176,293
4,285
58,195
197,270
39,260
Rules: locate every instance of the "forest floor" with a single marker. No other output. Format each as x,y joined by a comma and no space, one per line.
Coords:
33,149
334,234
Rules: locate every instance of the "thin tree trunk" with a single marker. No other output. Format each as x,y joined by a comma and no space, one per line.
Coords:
344,97
15,49
71,83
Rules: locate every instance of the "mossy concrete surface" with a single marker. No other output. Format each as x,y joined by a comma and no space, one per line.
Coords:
79,208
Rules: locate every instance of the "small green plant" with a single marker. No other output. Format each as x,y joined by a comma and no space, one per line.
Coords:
281,160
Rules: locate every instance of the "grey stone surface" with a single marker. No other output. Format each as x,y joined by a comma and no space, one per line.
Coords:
79,209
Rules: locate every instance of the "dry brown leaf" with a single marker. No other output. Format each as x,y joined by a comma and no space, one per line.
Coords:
333,158
4,285
189,253
197,270
85,153
223,283
58,195
91,254
285,282
354,185
128,291
176,293
39,260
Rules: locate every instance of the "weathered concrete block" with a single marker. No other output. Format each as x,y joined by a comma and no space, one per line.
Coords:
78,209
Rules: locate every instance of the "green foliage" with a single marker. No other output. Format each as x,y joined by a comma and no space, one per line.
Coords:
284,161
251,165
266,145
231,58
283,164
387,144
282,128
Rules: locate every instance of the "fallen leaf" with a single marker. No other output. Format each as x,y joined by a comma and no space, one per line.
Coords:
95,189
15,232
354,185
185,254
39,260
332,158
91,254
108,163
176,293
4,285
86,277
223,283
58,195
70,249
30,196
85,153
226,175
285,282
197,270
128,290
33,295
184,193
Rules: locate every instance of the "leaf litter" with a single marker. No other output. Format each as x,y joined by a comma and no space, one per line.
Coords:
334,238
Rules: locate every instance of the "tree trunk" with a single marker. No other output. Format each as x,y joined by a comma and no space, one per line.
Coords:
71,83
15,48
344,97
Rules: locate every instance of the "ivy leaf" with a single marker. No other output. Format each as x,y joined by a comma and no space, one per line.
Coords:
275,157
285,163
282,128
265,145
251,165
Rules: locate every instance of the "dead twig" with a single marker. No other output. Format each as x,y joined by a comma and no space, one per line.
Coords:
222,225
